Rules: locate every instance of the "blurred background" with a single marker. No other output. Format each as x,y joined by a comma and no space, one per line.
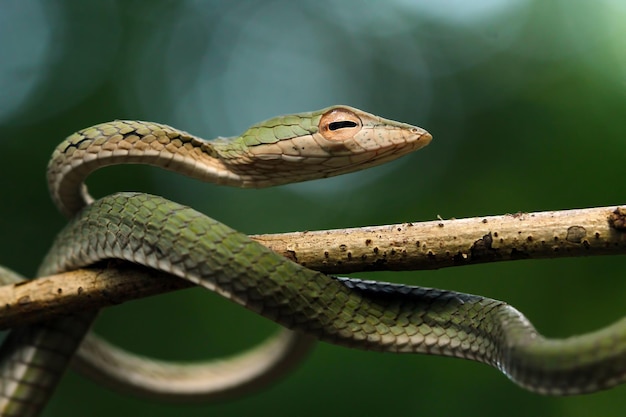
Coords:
525,100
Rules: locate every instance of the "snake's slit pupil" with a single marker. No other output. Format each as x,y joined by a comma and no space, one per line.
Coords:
341,125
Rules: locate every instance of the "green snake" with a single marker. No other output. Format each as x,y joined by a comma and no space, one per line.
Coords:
164,235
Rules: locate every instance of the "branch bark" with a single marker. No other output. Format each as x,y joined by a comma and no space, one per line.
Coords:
407,246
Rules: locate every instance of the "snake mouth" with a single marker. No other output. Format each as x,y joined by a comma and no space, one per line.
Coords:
328,161
302,168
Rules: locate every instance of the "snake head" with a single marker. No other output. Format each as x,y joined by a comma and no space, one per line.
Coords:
328,142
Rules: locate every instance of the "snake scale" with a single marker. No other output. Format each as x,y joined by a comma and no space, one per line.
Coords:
157,233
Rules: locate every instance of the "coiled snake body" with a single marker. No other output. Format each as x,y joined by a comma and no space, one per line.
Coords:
161,234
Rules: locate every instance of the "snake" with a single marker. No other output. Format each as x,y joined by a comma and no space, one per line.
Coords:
157,233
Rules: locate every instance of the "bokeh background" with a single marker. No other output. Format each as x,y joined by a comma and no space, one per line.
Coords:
525,99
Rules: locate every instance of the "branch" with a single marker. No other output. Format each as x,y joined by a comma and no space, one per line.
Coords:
408,246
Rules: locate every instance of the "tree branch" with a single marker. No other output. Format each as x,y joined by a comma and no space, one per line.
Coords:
408,246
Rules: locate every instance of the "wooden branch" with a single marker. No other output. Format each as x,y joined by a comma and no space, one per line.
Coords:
445,243
408,246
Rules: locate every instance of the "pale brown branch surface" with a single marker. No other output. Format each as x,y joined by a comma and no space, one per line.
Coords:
407,246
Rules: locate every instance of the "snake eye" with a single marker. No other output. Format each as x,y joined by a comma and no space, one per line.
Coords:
339,124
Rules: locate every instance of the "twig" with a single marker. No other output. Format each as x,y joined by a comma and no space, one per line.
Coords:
408,246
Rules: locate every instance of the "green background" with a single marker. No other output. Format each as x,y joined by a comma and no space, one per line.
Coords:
525,100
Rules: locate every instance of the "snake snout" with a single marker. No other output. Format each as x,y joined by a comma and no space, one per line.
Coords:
421,138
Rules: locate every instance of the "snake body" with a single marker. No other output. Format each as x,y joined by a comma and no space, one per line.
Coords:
158,233
282,150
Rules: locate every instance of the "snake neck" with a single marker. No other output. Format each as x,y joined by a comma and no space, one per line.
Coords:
133,142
